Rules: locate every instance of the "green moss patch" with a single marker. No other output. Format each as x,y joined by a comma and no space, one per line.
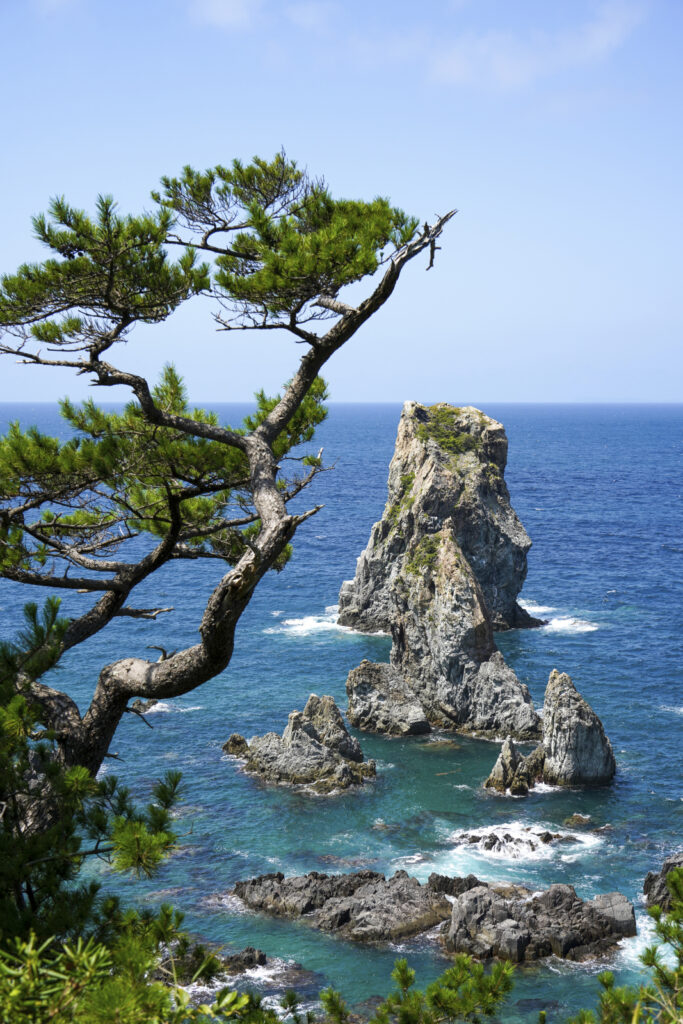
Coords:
424,556
442,427
405,500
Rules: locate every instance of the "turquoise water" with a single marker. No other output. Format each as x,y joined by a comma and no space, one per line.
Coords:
599,491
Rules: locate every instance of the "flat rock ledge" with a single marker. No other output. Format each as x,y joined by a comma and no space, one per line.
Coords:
512,923
484,920
363,906
574,751
316,750
655,887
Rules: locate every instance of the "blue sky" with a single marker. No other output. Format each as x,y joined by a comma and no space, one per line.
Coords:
554,126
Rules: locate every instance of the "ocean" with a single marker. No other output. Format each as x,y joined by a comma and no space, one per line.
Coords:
598,488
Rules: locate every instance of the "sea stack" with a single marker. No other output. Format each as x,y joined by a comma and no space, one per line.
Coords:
574,752
315,750
442,570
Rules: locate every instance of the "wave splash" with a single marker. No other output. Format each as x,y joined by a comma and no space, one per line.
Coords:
161,707
558,623
309,624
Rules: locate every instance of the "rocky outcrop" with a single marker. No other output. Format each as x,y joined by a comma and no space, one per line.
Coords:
515,773
577,751
315,750
364,906
245,960
655,887
236,745
443,568
515,924
484,920
448,466
574,751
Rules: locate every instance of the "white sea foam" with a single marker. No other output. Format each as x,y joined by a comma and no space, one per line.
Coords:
671,708
226,901
523,842
461,785
569,624
523,847
536,609
163,708
310,624
559,623
630,950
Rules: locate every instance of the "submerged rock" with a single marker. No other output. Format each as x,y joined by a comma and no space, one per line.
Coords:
235,745
513,923
574,752
576,819
443,568
315,750
655,887
140,706
245,960
511,844
364,906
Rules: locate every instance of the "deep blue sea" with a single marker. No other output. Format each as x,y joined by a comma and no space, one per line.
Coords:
598,489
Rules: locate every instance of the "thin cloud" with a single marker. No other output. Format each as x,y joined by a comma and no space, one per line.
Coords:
53,6
508,61
237,14
311,16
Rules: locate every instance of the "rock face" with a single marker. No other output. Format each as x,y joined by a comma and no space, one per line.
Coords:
514,772
577,752
655,888
574,752
443,568
381,701
364,906
448,465
315,750
512,923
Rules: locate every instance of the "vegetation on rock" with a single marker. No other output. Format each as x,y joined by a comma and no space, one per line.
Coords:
424,557
441,426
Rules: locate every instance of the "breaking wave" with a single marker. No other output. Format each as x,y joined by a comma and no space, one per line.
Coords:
309,624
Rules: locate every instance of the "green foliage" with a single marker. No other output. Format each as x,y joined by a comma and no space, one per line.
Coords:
92,983
122,476
292,242
111,268
463,992
424,556
405,500
441,427
301,426
54,817
660,1000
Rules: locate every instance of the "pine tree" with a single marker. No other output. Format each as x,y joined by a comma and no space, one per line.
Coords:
280,250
